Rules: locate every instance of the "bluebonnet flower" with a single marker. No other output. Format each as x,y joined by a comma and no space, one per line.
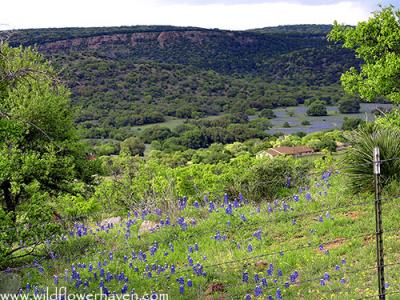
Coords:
281,253
328,215
308,196
321,247
249,248
189,283
280,274
136,269
287,284
190,249
337,267
256,278
269,208
90,268
228,209
270,297
245,277
322,282
196,247
321,219
235,204
257,234
289,179
171,247
149,274
294,222
238,245
190,260
342,281
55,278
248,297
228,223
258,209
28,287
124,289
101,272
181,289
196,204
172,269
278,294
211,207
258,291
243,217
167,221
264,282
181,280
343,261
326,276
226,198
204,257
296,198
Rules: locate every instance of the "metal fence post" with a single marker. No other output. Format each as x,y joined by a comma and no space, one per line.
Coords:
378,221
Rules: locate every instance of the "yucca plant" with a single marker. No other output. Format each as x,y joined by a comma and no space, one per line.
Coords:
359,157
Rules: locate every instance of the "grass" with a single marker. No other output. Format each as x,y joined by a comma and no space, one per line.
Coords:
288,247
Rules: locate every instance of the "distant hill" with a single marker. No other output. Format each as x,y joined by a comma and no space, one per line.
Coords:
123,76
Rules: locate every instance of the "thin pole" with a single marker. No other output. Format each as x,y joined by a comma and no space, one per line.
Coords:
378,222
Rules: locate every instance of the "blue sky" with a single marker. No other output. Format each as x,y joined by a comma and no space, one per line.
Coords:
224,14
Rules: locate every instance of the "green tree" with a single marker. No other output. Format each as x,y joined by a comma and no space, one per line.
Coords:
133,146
349,106
42,162
376,43
317,108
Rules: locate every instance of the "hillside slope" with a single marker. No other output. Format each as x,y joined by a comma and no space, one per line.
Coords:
139,75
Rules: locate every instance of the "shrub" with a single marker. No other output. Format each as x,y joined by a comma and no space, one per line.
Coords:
360,156
317,108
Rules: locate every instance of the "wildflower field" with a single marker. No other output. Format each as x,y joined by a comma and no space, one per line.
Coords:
318,243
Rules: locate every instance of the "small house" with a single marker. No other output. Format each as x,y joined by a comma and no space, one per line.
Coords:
294,151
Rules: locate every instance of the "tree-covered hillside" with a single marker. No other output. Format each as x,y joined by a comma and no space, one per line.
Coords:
125,76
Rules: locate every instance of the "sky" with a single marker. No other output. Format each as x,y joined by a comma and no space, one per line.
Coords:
223,14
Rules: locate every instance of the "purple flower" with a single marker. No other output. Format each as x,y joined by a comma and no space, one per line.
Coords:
326,276
196,204
190,249
248,297
287,284
337,267
321,219
196,247
269,208
189,283
296,198
294,222
228,209
280,273
55,278
250,248
211,207
181,289
322,282
342,281
308,196
243,217
256,278
258,291
245,277
257,234
278,294
264,282
226,198
343,261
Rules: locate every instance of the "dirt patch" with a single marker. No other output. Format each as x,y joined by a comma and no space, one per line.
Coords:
334,244
261,265
369,239
354,215
215,290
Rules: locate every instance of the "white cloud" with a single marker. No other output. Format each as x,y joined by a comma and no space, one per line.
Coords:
60,13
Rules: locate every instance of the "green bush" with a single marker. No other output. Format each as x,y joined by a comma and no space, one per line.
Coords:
360,156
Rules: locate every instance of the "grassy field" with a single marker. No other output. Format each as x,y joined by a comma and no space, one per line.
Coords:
317,244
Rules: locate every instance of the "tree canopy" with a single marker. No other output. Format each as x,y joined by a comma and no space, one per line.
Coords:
377,43
41,159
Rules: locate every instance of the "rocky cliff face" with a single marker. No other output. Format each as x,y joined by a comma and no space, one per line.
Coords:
163,39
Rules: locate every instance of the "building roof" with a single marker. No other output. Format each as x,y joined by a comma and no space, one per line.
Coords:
289,150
